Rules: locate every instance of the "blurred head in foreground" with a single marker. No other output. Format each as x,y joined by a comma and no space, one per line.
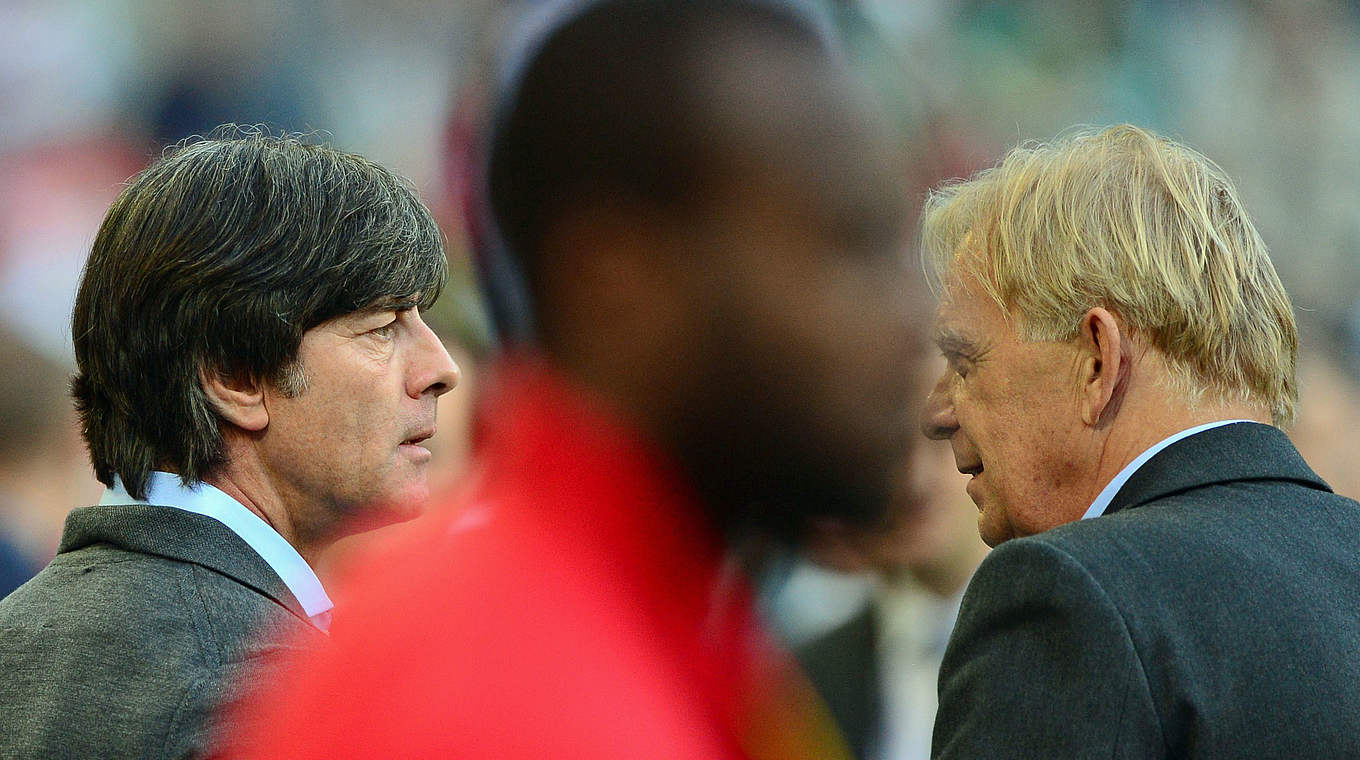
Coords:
928,536
1098,294
250,318
708,217
708,222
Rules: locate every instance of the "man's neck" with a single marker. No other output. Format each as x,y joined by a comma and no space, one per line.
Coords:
255,494
1140,426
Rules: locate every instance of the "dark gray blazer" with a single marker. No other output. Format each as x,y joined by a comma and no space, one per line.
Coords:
124,645
1213,612
843,665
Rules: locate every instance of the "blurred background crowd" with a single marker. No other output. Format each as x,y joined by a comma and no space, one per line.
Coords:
91,90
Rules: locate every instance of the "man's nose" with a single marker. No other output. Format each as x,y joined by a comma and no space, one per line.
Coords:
433,370
937,418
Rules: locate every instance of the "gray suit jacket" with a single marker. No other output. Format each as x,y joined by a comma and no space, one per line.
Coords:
144,623
1213,612
843,665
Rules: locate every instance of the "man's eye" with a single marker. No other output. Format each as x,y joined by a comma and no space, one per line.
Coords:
958,364
386,331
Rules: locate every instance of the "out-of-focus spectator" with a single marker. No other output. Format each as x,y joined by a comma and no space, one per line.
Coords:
65,70
722,322
43,468
52,197
40,457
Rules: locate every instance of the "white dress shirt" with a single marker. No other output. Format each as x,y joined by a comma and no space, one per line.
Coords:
913,629
165,489
1106,496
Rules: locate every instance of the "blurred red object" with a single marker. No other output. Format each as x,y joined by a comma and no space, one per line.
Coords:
572,603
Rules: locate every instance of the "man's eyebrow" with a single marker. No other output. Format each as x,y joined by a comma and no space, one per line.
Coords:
952,342
392,303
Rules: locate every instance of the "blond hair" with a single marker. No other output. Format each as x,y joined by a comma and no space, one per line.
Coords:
1140,225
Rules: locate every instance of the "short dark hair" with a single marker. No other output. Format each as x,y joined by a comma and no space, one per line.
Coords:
217,258
605,104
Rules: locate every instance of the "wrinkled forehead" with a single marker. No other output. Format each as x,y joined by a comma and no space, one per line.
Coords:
965,273
968,296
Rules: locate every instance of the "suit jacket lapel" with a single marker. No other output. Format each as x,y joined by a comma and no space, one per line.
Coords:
1240,451
178,535
843,665
861,650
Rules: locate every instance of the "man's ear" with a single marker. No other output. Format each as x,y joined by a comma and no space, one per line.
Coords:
239,399
1106,361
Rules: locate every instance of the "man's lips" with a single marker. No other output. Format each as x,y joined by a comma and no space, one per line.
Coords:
973,486
968,462
419,437
411,447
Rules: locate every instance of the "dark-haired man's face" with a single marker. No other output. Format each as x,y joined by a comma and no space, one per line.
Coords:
812,332
346,452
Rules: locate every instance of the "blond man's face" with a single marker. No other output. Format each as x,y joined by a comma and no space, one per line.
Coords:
1010,410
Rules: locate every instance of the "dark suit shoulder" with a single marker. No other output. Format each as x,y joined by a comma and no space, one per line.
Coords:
110,652
1242,531
1041,664
1240,602
102,593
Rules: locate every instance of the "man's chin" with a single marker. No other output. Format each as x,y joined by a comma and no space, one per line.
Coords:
407,505
993,532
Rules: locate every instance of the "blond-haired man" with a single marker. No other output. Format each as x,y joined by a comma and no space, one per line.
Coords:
1180,583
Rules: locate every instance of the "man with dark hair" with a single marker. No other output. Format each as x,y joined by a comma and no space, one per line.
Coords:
709,220
254,380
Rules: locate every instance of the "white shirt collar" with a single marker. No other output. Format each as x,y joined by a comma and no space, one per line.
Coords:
1106,496
165,489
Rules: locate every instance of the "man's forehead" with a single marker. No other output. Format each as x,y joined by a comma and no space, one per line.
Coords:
954,332
961,268
957,292
964,311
